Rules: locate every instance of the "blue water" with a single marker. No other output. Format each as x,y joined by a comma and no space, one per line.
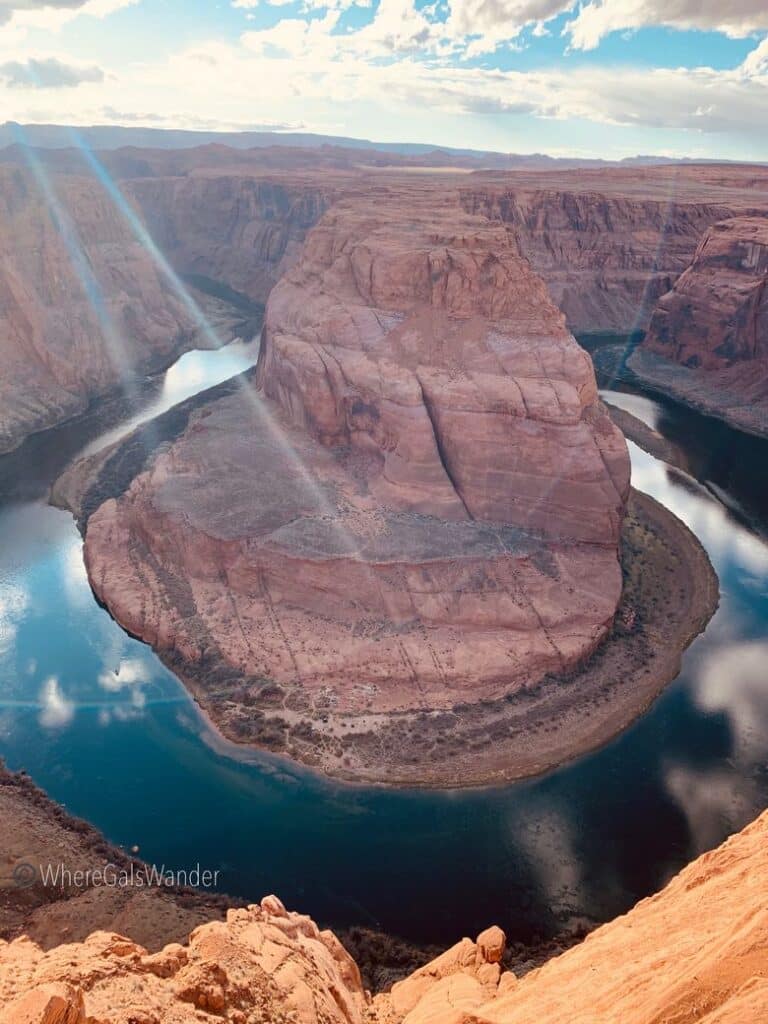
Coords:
109,732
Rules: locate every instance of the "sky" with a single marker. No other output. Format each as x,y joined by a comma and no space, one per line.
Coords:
592,78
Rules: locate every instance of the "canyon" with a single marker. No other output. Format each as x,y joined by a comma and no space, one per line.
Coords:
707,342
695,952
445,529
86,306
424,495
408,401
82,307
413,516
608,243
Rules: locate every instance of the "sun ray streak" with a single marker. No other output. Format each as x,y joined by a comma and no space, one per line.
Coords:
266,421
116,348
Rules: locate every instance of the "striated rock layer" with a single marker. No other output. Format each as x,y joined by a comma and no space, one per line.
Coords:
82,306
235,229
606,258
696,953
708,339
83,302
423,497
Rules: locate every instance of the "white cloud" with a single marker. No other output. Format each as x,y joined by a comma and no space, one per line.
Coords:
130,673
403,64
713,801
48,73
129,679
486,24
56,710
733,681
756,62
14,602
7,10
316,62
597,19
52,14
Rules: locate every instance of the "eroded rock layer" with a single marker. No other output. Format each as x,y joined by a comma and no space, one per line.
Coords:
606,258
85,304
696,953
234,229
708,338
419,503
82,305
83,300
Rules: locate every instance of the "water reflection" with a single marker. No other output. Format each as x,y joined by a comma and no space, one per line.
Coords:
727,464
194,372
56,710
104,727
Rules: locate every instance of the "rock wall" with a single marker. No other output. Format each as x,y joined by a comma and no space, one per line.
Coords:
419,505
717,313
708,338
696,953
607,244
605,257
240,230
81,303
419,336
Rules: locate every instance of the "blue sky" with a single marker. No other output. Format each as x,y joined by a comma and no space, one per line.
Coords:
608,78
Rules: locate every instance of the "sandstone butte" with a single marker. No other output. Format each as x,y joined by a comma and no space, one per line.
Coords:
423,493
707,343
696,952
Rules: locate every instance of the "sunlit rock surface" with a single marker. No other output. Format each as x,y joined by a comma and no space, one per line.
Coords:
83,301
416,503
696,952
86,304
608,243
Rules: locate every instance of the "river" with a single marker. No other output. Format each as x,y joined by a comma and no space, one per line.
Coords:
106,730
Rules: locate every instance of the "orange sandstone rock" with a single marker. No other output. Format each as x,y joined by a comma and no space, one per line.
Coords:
696,953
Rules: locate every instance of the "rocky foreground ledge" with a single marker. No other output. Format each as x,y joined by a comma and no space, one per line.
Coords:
410,520
696,952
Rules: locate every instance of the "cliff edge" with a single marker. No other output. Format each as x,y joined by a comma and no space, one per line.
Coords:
696,953
707,343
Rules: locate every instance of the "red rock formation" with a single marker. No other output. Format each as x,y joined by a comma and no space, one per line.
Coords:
262,966
606,254
717,313
708,338
81,303
607,243
421,506
237,229
419,336
697,953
